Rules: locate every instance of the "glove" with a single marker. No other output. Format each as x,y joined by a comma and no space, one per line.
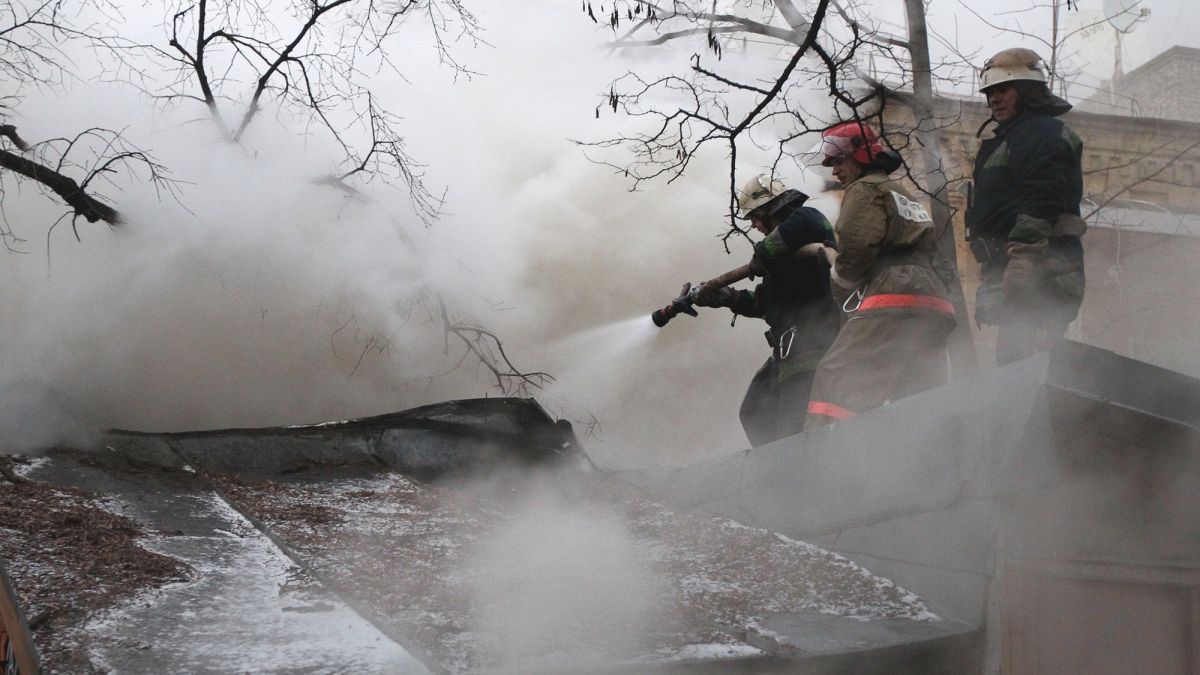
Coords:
758,265
989,304
824,254
715,297
1029,229
1021,288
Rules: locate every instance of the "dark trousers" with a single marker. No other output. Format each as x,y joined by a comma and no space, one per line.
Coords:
774,409
1040,321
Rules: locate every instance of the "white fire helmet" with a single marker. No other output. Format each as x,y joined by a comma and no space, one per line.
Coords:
760,190
1012,65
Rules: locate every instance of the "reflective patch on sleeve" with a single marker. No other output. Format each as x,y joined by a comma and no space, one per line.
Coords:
910,210
1072,138
999,157
774,245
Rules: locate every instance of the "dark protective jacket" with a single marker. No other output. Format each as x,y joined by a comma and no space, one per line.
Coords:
1031,166
795,292
1024,227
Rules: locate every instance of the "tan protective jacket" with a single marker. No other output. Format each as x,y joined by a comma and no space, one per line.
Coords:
887,257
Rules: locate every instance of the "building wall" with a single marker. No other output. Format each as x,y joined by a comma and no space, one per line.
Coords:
1167,86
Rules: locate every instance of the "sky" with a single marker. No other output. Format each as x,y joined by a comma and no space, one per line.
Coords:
1089,39
255,299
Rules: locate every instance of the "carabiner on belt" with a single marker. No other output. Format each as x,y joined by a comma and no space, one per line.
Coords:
785,343
857,297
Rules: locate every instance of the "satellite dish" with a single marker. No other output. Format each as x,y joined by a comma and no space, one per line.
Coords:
1125,14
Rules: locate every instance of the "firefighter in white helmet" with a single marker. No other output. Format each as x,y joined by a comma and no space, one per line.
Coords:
793,298
1023,222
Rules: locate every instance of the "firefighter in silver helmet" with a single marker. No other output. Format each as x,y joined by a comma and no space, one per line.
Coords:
793,298
1023,223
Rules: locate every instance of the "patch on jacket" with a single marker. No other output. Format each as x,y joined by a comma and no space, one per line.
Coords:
1072,138
910,210
999,157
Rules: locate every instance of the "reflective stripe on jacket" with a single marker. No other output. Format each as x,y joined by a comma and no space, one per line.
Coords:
828,409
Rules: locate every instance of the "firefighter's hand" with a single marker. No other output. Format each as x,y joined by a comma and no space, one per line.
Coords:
715,297
1021,273
1029,229
824,254
758,265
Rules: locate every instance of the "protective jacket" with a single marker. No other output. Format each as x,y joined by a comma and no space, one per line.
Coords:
1030,167
887,255
794,293
887,273
1024,227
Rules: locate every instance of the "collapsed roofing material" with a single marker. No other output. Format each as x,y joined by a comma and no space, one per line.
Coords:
454,436
323,556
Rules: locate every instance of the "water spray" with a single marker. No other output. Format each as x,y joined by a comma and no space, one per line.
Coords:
684,304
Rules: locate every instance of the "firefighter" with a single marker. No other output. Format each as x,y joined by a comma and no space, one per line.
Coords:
888,279
1023,222
793,297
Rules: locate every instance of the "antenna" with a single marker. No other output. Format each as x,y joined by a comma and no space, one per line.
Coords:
1123,16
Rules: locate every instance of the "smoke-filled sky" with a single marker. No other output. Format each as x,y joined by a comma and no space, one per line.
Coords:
260,299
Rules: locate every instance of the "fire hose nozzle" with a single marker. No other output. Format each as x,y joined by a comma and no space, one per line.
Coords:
681,305
687,297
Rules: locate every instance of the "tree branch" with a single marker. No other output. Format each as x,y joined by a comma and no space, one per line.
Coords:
65,187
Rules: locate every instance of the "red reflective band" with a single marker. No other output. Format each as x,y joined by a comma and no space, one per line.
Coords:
837,412
906,301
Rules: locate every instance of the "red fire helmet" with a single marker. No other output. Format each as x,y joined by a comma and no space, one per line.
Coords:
850,138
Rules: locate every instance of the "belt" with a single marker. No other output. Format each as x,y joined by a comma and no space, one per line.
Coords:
986,248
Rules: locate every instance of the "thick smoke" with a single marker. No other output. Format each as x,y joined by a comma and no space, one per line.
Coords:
563,585
260,298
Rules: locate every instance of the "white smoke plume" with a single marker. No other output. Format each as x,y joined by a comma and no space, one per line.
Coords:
563,586
260,298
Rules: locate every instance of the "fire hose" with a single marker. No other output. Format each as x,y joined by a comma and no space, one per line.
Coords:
684,304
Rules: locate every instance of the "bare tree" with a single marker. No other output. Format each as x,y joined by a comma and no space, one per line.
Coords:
239,57
309,61
33,38
715,108
1059,41
827,66
314,63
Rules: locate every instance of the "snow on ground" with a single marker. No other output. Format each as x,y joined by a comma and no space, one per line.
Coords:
549,573
411,552
249,608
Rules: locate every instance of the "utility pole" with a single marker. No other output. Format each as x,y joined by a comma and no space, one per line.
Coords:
963,358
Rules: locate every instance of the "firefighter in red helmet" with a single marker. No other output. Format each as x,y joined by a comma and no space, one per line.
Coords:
889,280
